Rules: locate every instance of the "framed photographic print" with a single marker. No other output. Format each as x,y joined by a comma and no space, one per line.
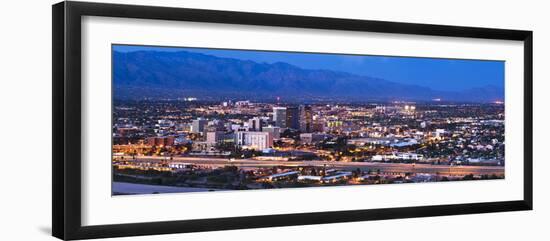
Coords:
170,120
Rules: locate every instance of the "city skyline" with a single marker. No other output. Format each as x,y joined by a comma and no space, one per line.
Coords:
194,122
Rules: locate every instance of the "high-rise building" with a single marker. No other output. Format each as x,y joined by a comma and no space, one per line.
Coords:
255,124
197,126
254,139
215,125
274,130
293,118
306,118
279,116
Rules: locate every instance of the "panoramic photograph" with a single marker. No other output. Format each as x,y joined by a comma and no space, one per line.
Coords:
188,119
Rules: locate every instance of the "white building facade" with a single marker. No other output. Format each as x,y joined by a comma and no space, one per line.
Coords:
254,139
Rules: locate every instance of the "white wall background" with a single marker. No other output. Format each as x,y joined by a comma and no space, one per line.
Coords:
25,104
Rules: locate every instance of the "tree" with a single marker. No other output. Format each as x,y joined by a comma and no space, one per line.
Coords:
468,177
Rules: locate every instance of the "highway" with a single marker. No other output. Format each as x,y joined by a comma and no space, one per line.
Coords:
215,162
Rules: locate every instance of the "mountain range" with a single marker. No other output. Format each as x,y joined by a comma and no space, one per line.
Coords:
156,74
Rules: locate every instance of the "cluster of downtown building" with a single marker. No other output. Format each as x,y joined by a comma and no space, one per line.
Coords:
255,133
465,134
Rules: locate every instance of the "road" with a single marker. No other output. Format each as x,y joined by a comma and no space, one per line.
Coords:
133,188
214,162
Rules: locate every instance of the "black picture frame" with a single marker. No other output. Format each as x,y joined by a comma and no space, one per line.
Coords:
66,75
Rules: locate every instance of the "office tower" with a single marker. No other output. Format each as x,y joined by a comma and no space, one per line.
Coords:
279,116
293,118
274,130
306,118
255,124
197,126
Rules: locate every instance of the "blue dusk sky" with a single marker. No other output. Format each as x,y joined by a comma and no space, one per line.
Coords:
438,74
